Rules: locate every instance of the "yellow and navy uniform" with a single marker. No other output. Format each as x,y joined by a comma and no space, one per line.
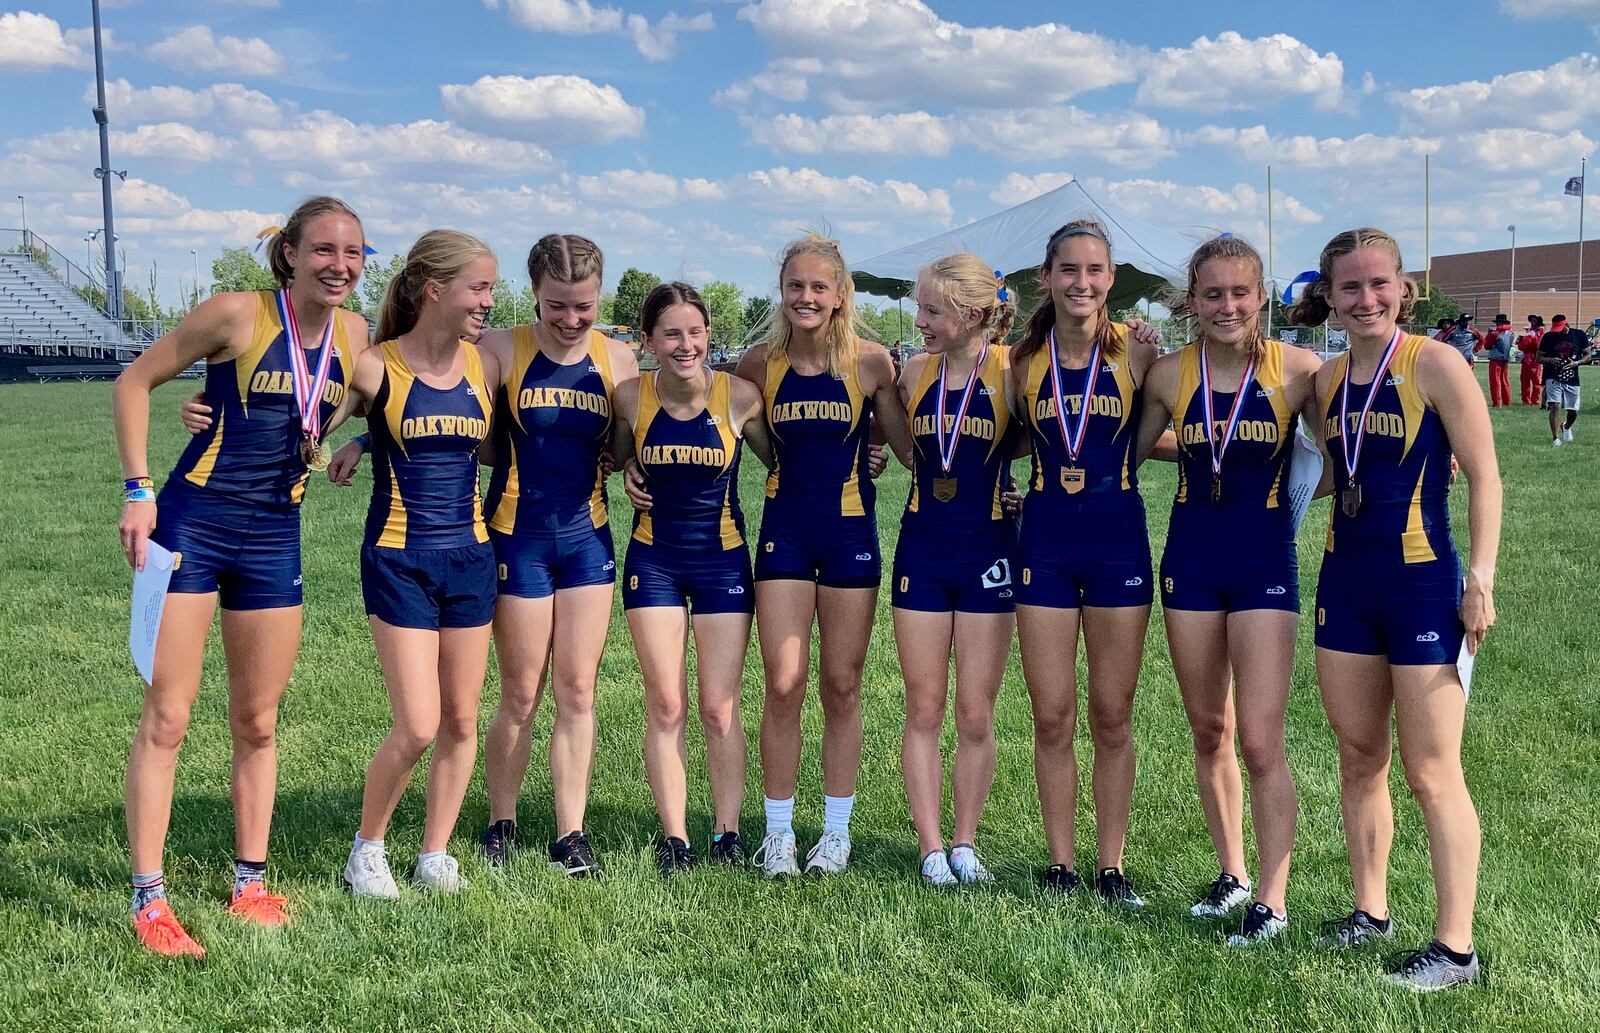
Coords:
688,548
426,561
547,498
956,553
1235,552
819,523
230,507
1391,577
1090,547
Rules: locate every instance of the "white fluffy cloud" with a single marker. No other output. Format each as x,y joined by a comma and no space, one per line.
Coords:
808,191
552,108
646,189
230,104
339,149
863,53
908,133
1233,72
1551,8
1564,96
1242,208
197,49
656,41
1364,151
31,42
1521,150
171,145
1128,140
1017,188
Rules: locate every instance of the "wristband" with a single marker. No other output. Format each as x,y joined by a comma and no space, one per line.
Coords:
134,483
364,440
139,495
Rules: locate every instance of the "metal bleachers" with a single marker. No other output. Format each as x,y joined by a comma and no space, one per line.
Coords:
41,315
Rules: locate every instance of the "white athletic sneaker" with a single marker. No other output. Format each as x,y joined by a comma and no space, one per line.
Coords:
439,873
1259,926
367,875
965,863
777,855
1555,443
1566,435
936,870
1221,897
830,855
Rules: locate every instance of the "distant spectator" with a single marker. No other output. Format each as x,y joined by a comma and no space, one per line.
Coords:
1441,330
1499,345
1465,338
1532,372
1561,349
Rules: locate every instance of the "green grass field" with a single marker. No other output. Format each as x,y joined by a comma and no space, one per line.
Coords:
871,950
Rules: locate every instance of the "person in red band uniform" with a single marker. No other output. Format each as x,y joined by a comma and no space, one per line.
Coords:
1498,344
1532,372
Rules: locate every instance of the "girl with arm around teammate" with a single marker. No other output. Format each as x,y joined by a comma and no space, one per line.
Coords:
1230,583
688,563
952,583
1392,612
230,512
427,568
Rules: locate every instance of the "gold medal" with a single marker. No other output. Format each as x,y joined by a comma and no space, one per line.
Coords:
1072,479
315,454
944,488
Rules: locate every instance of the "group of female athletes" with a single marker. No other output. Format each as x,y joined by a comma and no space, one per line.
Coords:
553,406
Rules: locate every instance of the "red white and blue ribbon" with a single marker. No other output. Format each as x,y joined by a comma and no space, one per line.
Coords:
1353,455
307,389
1073,440
1219,449
947,453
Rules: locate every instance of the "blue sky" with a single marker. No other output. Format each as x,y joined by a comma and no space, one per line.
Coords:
692,138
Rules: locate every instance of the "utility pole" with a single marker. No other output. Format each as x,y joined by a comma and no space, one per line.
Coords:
105,172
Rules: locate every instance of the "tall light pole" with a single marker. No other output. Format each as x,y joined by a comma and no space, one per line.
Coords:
195,254
24,202
105,172
1512,314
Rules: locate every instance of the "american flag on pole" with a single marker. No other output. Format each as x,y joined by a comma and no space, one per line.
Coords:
1574,187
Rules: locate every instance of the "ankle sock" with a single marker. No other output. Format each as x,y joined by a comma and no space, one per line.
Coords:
246,872
147,886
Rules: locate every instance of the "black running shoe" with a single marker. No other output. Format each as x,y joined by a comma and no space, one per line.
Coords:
673,855
571,854
1117,888
498,841
727,848
1353,930
1432,968
1058,878
1221,897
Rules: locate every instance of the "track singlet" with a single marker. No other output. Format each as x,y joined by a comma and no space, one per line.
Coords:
692,470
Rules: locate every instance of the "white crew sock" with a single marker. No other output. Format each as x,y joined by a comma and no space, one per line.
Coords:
366,844
836,813
780,814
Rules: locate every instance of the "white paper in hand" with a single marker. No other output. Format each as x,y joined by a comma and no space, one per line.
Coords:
1305,473
1465,661
149,598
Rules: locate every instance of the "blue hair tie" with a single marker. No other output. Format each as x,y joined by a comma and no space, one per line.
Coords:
1002,294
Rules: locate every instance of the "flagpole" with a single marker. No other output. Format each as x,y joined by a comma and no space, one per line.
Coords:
1427,226
1272,290
1583,195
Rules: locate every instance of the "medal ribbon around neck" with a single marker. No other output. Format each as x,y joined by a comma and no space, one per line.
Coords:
1219,449
947,453
307,390
1074,440
1352,456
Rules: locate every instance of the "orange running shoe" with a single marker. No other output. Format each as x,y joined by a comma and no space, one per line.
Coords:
254,904
158,929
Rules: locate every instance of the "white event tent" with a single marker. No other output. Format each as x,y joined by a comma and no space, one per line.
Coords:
1149,257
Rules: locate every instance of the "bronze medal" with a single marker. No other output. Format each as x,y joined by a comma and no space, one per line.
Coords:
315,454
1350,500
1072,479
1216,491
944,488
